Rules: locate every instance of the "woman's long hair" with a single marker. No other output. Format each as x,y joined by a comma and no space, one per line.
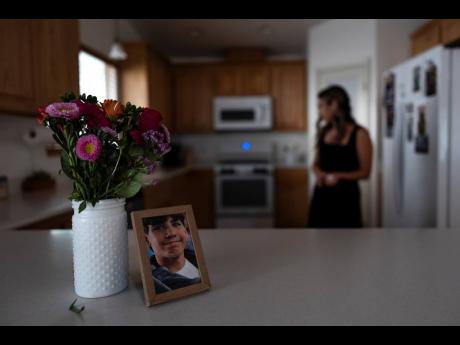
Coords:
341,118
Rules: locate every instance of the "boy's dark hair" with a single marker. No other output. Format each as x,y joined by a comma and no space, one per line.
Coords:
160,220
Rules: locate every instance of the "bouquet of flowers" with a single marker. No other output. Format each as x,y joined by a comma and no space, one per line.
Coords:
107,147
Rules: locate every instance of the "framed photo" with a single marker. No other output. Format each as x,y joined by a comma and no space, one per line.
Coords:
171,259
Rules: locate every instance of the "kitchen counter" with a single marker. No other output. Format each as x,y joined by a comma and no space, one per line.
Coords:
258,277
21,209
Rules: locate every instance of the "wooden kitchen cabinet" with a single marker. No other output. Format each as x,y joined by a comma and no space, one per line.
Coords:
288,89
242,79
201,190
57,56
17,67
291,197
195,187
193,97
59,221
450,31
145,80
426,37
38,62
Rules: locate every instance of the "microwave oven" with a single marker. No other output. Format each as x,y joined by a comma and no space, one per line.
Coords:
243,113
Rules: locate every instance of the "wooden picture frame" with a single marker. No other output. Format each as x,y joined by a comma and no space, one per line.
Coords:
152,273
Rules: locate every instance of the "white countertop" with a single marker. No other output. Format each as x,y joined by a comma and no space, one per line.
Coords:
258,277
21,209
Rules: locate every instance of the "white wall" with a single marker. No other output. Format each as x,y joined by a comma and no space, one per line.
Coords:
17,158
99,34
341,42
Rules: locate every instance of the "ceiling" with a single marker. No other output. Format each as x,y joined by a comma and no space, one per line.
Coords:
210,37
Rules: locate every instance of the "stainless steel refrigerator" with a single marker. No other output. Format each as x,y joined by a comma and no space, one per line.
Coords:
420,149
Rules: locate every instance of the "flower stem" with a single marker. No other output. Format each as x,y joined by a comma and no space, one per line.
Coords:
113,172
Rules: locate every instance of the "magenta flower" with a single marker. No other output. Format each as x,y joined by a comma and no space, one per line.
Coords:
94,116
68,111
89,147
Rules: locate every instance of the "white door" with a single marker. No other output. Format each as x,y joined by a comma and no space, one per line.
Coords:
355,80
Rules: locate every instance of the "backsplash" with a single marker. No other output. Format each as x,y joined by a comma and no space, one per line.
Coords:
205,147
19,154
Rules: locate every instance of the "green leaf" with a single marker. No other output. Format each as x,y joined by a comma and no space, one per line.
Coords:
135,151
75,309
151,156
65,164
82,207
132,187
68,96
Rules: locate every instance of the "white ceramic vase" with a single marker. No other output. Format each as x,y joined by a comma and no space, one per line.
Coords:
100,248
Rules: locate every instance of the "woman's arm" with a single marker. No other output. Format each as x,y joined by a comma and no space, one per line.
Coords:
320,175
364,148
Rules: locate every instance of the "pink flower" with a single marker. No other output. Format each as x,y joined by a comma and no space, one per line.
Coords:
68,111
89,147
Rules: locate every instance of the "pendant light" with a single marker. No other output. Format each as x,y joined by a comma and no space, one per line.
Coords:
117,52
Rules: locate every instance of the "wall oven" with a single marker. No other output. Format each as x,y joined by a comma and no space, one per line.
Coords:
244,189
242,113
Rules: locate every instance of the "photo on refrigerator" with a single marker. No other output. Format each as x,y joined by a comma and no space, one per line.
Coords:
422,140
389,104
430,79
416,81
410,121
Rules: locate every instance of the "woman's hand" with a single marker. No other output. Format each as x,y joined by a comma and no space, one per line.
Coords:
331,180
320,177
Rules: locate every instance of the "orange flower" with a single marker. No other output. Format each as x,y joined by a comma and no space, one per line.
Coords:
113,108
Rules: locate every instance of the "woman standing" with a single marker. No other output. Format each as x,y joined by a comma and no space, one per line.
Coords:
343,157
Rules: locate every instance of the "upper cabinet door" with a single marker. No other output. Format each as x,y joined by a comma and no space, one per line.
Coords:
246,79
450,30
288,89
17,68
253,79
193,98
38,63
426,37
57,54
225,79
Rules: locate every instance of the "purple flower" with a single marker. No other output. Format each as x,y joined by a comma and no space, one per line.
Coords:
110,131
68,111
151,166
89,147
160,139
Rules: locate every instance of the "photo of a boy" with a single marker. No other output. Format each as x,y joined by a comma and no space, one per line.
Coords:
173,259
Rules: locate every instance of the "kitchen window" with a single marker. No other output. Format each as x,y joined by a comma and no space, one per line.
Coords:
98,77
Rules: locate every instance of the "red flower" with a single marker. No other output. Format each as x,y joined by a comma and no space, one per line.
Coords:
42,115
94,116
137,136
150,120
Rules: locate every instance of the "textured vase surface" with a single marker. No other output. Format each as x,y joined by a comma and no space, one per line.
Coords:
100,248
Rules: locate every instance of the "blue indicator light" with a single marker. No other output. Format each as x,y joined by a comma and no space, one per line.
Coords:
246,145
